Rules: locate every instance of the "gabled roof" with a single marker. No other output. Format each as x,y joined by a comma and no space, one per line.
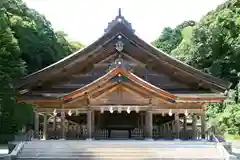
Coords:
121,71
115,29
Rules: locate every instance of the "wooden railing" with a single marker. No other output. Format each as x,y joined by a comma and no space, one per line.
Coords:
137,133
166,131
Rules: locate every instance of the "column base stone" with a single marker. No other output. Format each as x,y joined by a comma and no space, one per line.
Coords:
89,139
149,139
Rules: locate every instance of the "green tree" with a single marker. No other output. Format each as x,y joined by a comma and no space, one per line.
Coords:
168,40
11,68
27,44
213,45
76,45
171,38
40,46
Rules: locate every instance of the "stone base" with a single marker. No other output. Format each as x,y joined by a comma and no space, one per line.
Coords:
149,139
89,139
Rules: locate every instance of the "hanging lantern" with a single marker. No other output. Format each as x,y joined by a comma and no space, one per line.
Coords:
119,110
102,110
163,114
70,112
186,113
170,112
55,112
128,110
77,112
137,110
111,110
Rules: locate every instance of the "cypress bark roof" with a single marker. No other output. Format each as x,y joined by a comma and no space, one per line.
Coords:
105,45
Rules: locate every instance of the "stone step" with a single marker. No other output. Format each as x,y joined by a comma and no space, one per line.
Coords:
122,153
88,153
117,146
118,150
115,158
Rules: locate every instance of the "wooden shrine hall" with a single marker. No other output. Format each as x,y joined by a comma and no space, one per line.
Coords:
120,87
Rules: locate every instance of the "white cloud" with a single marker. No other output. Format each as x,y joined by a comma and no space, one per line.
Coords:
85,20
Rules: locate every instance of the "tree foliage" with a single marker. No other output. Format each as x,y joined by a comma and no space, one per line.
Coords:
171,38
40,46
27,44
214,43
213,46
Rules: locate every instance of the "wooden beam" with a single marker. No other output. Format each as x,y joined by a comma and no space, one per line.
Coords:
114,55
133,59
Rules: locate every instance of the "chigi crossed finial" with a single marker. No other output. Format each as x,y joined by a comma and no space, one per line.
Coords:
119,12
119,19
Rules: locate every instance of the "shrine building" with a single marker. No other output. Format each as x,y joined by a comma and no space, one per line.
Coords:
120,87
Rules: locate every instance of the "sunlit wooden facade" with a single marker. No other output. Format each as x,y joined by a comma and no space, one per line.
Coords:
120,75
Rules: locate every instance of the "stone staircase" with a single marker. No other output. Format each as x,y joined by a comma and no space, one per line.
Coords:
118,150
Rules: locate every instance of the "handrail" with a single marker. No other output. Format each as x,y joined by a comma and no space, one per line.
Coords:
212,131
30,135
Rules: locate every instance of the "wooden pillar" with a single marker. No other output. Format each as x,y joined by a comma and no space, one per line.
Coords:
89,124
45,126
98,121
142,119
93,124
185,126
194,126
203,126
148,124
177,125
54,122
36,125
63,130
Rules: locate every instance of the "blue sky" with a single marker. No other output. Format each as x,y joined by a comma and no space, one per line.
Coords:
85,20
